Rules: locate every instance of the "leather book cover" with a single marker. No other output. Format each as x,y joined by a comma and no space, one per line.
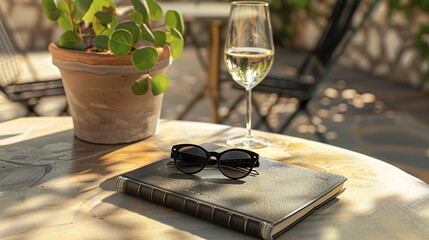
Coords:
263,205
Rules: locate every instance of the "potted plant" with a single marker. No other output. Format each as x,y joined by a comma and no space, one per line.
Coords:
113,70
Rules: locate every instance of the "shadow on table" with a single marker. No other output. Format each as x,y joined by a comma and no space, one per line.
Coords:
51,149
34,178
60,151
170,217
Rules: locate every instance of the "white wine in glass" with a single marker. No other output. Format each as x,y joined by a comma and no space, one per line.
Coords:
249,55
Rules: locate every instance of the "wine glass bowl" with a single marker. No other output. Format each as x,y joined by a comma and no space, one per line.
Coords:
248,66
249,55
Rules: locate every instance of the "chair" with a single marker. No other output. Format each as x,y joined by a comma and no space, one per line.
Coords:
334,38
12,60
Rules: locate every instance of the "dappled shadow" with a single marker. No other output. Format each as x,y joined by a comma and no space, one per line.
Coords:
388,217
8,136
39,177
173,218
52,149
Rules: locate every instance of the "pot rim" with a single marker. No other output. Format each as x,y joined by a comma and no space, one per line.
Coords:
102,58
107,69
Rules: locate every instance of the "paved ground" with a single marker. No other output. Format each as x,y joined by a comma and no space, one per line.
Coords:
351,109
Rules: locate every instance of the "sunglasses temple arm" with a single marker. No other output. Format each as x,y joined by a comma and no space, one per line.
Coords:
254,172
171,163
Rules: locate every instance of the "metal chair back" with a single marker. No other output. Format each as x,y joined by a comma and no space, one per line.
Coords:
11,59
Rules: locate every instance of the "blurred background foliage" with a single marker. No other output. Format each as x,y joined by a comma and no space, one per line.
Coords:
421,38
282,12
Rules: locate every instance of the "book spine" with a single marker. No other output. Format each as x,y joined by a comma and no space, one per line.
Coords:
215,214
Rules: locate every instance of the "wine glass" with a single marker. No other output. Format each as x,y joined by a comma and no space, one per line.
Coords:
249,55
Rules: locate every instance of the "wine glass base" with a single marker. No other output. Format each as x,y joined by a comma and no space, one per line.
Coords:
248,142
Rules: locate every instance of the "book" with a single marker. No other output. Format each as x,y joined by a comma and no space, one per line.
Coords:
263,205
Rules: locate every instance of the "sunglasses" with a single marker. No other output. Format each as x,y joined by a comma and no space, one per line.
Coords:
233,163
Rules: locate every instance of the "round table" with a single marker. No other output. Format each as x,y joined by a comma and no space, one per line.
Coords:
54,186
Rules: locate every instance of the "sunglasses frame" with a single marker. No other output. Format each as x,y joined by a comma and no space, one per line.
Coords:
254,157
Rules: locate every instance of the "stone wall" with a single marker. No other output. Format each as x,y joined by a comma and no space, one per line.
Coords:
385,48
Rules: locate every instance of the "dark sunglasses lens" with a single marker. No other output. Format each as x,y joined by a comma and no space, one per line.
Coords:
235,164
190,159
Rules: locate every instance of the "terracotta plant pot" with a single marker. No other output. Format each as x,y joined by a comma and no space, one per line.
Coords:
98,90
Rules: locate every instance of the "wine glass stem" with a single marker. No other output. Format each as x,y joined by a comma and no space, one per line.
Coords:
249,113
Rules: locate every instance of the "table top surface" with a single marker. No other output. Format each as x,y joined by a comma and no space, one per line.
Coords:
54,186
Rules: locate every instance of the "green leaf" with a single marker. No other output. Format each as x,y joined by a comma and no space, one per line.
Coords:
120,42
50,10
426,76
160,38
174,19
70,40
423,50
299,4
99,5
407,10
425,6
142,9
136,17
81,7
144,58
147,33
394,4
99,28
155,10
101,42
176,42
141,86
64,20
104,30
104,17
159,83
131,27
64,23
63,8
421,43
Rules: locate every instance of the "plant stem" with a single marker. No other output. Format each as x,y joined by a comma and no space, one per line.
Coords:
102,31
70,15
80,32
159,26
